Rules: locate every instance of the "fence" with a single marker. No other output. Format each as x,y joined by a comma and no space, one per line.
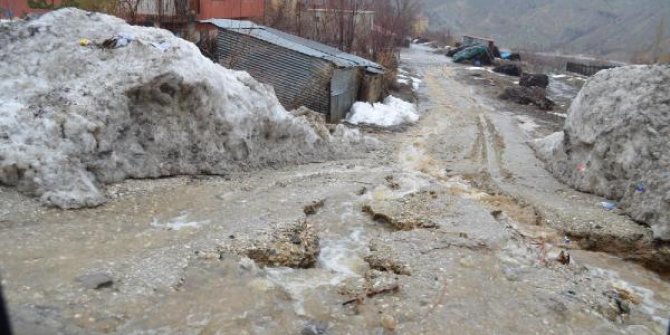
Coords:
585,69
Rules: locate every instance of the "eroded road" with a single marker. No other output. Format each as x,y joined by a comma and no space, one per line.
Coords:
461,233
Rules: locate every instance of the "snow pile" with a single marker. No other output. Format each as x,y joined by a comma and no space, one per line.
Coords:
392,112
75,116
616,143
405,78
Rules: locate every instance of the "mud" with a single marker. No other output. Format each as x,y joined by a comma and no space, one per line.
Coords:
487,266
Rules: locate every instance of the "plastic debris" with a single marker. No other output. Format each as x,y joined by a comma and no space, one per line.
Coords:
566,240
162,46
564,258
118,41
608,205
581,167
640,188
84,42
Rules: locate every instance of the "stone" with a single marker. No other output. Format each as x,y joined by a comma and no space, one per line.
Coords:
315,327
509,69
96,280
528,96
534,80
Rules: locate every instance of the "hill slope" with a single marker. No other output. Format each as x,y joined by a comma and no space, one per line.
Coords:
610,28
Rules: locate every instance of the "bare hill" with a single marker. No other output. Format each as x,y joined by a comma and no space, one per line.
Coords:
610,28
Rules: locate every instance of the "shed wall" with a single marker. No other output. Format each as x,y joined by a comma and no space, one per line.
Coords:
298,80
343,92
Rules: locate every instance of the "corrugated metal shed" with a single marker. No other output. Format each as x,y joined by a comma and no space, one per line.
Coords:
298,44
302,72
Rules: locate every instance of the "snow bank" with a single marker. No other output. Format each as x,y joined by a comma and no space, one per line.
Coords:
73,117
616,143
392,112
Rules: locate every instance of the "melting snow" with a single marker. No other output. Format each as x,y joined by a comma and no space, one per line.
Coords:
392,112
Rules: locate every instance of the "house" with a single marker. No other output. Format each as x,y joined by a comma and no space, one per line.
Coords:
166,13
302,72
10,9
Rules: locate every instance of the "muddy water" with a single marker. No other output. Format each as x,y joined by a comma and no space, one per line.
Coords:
488,268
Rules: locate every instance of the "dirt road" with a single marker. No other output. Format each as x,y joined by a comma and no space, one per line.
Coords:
461,233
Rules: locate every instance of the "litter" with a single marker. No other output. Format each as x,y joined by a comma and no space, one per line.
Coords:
564,258
475,54
608,205
118,41
84,42
581,167
162,46
640,188
566,240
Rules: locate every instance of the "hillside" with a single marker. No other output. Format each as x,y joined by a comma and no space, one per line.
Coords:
610,28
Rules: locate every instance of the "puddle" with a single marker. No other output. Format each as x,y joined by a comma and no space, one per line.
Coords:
178,222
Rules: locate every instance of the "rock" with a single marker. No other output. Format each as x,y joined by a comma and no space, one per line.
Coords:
388,322
384,258
528,95
314,207
382,262
509,69
315,327
615,143
407,213
534,80
96,280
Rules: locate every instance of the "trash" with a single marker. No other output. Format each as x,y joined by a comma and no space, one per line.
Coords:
475,54
509,69
118,41
84,42
314,207
566,240
640,188
581,167
162,46
563,258
528,95
369,294
537,80
608,205
454,51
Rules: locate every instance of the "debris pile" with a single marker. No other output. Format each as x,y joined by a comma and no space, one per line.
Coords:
408,213
534,80
87,100
615,143
509,69
295,246
528,96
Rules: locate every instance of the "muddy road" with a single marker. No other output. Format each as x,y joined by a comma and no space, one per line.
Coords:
452,227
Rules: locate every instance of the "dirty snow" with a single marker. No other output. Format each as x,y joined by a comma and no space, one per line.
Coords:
406,78
392,112
615,143
73,117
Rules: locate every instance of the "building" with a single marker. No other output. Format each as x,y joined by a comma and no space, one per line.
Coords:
302,72
159,12
10,9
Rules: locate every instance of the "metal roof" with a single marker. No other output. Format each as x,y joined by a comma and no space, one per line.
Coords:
298,44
